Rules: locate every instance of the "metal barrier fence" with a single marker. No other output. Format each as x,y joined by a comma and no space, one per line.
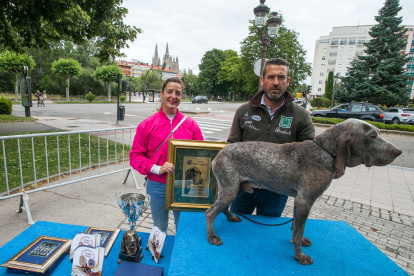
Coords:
13,176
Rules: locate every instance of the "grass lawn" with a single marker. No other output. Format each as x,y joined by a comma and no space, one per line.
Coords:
53,159
11,118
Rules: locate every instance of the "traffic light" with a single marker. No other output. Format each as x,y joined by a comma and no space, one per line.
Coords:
304,94
309,89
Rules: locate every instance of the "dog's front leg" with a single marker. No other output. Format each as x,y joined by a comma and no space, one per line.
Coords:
301,213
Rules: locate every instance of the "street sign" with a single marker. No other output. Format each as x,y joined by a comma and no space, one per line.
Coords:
298,95
257,66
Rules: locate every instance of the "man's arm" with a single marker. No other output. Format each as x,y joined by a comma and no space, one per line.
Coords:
236,133
307,129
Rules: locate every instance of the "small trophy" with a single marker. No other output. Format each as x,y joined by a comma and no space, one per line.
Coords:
132,205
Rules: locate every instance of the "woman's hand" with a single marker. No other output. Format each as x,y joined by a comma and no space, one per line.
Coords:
167,168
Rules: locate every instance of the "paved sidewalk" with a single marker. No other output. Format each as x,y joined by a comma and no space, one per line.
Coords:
377,202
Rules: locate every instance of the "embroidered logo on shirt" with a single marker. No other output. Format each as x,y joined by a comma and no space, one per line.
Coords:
285,122
247,114
256,117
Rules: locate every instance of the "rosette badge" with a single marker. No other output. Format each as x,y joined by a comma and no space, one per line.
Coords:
132,205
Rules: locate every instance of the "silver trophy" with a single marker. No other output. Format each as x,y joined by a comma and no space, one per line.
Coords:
132,205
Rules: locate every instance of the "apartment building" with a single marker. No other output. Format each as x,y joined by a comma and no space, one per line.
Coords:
335,52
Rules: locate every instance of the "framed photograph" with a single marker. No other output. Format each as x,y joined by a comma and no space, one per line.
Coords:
40,256
108,237
193,187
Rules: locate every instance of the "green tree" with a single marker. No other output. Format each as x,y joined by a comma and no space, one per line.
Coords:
209,68
286,46
12,62
38,23
230,72
108,74
190,78
66,68
381,71
329,83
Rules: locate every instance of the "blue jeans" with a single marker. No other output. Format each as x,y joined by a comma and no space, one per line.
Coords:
159,215
268,203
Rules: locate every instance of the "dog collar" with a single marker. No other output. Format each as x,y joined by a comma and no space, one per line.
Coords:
330,153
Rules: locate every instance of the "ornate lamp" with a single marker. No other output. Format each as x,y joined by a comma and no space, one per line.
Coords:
261,13
273,25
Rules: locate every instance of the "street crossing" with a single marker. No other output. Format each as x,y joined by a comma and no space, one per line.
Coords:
209,126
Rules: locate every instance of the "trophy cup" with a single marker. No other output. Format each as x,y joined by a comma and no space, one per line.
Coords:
132,205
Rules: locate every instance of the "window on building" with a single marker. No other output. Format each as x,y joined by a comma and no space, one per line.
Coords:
349,57
339,65
361,40
319,89
324,50
340,57
323,65
323,58
359,50
352,41
321,74
320,82
343,41
334,41
350,49
339,74
342,49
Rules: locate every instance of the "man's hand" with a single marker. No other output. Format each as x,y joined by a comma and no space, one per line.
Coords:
167,168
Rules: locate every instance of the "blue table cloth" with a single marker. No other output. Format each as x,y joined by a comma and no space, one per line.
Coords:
68,231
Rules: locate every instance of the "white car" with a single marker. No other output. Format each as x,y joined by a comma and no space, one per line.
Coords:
398,115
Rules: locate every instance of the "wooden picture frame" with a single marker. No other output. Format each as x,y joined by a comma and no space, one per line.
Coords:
193,186
42,255
108,237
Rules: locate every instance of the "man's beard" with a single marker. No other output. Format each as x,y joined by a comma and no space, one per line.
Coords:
273,97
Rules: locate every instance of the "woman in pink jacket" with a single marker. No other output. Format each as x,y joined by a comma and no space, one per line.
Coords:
147,160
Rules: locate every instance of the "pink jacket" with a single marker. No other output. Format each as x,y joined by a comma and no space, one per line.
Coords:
151,133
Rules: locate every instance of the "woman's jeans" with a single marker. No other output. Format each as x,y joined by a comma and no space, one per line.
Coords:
159,215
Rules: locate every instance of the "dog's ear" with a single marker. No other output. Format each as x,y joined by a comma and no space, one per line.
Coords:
343,154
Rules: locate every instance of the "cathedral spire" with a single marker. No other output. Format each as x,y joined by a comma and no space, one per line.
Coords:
166,51
156,51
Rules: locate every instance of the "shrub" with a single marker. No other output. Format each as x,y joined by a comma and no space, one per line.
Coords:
90,97
122,98
320,102
411,106
6,106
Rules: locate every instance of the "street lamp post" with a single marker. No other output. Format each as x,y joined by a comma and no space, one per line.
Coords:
336,77
266,30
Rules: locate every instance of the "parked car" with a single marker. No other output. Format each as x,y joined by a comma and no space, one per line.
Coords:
398,115
200,99
363,111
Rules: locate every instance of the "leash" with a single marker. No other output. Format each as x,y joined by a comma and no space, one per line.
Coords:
263,223
330,153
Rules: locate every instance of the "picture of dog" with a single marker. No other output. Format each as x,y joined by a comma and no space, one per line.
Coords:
193,174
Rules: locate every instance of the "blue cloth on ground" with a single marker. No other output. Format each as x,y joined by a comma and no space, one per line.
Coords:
252,249
69,231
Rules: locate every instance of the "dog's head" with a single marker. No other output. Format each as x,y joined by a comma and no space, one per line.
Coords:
360,143
194,173
130,243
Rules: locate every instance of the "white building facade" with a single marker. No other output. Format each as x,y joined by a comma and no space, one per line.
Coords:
335,52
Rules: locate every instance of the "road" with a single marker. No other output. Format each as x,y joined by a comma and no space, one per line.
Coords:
215,124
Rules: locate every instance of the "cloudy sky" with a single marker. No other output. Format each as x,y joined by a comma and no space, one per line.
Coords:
193,27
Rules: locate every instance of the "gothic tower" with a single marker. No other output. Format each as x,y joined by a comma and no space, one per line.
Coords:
167,59
156,59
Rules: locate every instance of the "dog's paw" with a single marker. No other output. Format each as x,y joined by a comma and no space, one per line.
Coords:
234,218
304,259
306,242
214,239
